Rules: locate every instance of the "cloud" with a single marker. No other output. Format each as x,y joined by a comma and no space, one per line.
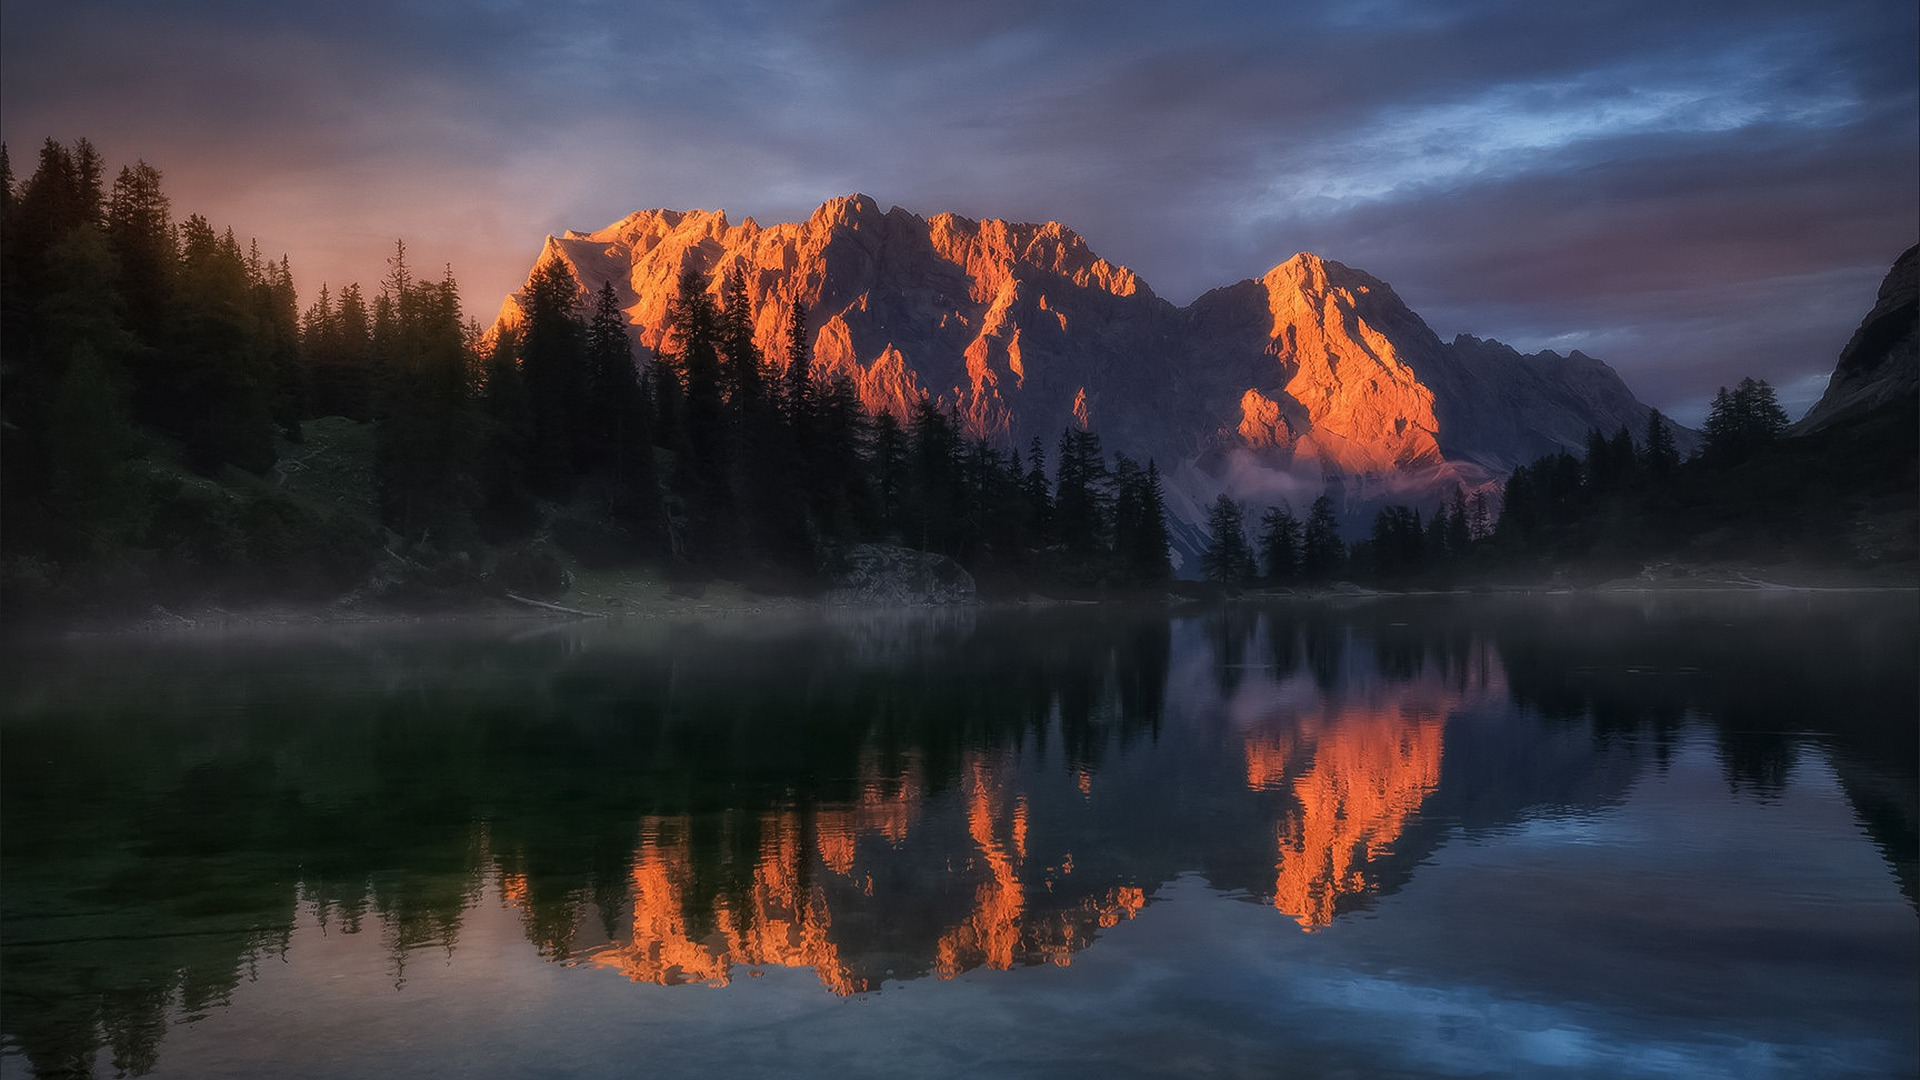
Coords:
1640,172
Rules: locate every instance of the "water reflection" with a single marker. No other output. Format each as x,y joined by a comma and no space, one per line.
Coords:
870,801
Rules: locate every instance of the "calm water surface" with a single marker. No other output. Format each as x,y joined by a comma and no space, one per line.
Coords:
1666,836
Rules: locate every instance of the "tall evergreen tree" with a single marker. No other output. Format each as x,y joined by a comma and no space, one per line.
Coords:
1139,523
1459,527
554,366
619,429
741,376
703,471
1322,553
887,476
429,430
1743,422
1662,457
140,225
1397,543
220,398
801,395
506,509
1280,544
611,394
1228,558
1082,494
85,432
840,493
935,495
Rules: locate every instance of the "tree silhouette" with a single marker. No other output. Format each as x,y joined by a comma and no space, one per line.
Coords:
1228,559
553,360
1744,421
1280,544
1322,553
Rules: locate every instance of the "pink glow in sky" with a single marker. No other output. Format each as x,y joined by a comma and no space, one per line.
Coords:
1692,192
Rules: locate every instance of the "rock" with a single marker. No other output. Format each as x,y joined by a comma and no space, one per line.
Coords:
891,576
1879,365
533,570
1315,376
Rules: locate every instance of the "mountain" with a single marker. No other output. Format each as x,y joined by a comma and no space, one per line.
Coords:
1878,366
1314,377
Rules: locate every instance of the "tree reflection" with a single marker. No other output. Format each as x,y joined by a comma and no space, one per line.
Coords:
872,803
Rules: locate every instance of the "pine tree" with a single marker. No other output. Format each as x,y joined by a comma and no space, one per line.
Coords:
84,433
1323,554
1038,502
429,428
1743,422
1082,496
703,470
554,365
620,434
1139,523
1397,541
935,496
887,475
800,396
505,508
1280,544
1228,558
277,316
1479,518
742,384
1662,458
219,396
837,471
140,226
1154,544
611,394
62,195
1459,530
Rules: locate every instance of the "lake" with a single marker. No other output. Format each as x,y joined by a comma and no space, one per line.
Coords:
1634,835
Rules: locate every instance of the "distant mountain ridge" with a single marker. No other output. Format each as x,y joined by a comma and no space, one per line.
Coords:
1314,377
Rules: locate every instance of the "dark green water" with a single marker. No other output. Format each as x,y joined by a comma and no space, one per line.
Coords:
1664,836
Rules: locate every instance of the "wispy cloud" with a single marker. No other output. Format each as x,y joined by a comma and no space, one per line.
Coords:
1518,128
1636,170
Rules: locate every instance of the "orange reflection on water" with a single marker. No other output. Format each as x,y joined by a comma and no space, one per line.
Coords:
887,808
781,920
697,912
1361,773
1001,931
782,917
1267,758
992,934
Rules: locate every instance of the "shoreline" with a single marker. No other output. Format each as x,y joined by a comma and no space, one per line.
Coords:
638,597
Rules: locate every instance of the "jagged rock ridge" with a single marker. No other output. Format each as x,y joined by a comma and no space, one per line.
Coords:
1315,375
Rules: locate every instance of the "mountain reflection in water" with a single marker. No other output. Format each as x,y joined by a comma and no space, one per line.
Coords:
874,800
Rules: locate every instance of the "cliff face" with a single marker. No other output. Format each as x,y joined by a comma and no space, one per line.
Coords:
1315,375
1007,323
1878,367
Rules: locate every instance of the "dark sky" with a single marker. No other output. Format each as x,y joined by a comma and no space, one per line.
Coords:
1692,191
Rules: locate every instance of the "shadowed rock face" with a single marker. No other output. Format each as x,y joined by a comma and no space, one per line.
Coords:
1315,375
1878,366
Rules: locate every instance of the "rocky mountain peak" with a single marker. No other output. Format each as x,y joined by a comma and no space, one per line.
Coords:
1272,389
846,212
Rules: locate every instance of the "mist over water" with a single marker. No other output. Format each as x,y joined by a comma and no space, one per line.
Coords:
1657,835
